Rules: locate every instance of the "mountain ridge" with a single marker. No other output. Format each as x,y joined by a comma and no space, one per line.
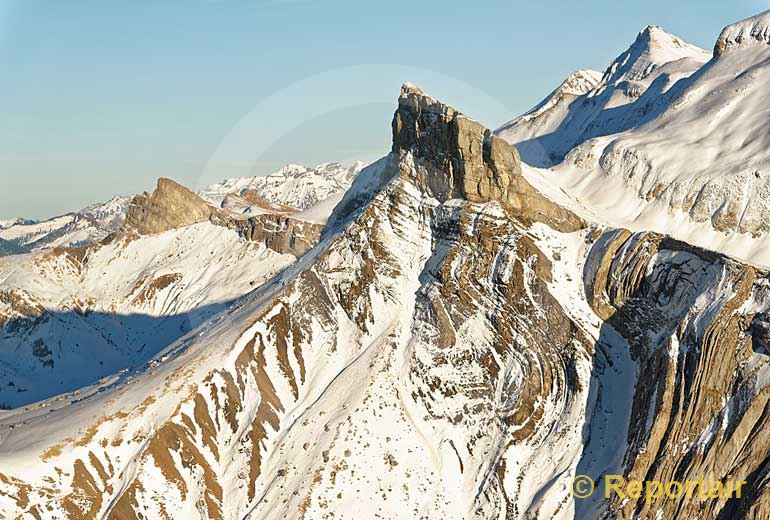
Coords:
693,162
462,347
460,338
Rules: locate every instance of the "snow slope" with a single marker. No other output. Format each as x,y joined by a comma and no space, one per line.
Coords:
695,164
14,221
546,118
69,317
431,357
328,391
457,346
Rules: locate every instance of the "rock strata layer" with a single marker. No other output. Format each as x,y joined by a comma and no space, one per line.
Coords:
278,232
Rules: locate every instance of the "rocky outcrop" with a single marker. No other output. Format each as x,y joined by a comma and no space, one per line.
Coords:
17,307
278,232
458,158
753,31
438,357
170,206
248,201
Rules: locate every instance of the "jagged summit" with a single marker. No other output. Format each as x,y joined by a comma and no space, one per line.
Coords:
473,163
751,32
461,159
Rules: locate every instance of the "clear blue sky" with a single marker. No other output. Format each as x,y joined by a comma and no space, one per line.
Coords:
100,98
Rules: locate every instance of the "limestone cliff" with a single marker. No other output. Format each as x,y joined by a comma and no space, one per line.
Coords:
696,327
459,158
446,352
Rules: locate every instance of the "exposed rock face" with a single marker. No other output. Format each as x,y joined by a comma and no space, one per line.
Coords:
693,321
422,344
280,233
16,304
458,158
170,206
249,201
760,333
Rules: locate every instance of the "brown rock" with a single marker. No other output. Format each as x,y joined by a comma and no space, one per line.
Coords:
279,232
458,158
170,206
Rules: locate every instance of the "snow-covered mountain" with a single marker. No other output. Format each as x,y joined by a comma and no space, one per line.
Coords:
69,316
457,338
291,187
634,89
72,316
547,116
456,345
689,157
88,225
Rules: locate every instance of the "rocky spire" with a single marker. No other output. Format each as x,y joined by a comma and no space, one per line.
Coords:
458,158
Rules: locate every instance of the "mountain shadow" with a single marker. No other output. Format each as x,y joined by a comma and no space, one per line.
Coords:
60,352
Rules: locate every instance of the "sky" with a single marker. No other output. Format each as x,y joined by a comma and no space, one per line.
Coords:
102,98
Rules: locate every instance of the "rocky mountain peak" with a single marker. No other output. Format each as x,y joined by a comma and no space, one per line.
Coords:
170,206
473,163
458,158
751,32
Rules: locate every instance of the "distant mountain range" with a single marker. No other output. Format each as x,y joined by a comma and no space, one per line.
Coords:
293,186
86,226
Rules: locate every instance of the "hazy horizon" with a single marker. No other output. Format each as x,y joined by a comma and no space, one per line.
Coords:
207,90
